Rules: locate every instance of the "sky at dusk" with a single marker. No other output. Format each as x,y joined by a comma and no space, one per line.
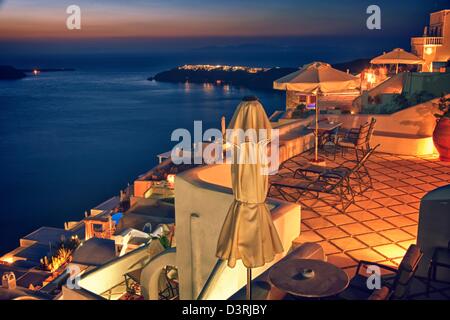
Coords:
24,21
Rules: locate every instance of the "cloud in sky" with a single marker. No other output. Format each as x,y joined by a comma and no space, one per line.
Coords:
20,19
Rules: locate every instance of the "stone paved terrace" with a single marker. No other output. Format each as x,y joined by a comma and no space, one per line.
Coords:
383,221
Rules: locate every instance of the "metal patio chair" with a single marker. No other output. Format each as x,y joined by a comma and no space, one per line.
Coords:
330,138
439,259
373,121
352,169
333,183
397,281
354,140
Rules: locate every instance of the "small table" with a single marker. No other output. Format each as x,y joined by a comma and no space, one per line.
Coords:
328,280
325,126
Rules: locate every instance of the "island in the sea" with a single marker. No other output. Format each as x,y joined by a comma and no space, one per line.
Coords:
249,77
12,73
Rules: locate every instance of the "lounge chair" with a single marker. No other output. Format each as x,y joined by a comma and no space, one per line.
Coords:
333,183
354,170
397,282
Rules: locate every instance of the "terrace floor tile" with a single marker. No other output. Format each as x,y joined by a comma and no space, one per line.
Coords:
332,233
356,228
341,260
428,179
369,204
304,227
426,187
373,239
308,236
419,195
403,209
317,223
396,183
380,186
378,225
409,189
329,248
411,229
396,235
413,181
374,195
387,201
391,251
406,198
362,215
308,214
346,244
400,221
340,219
405,244
383,212
366,254
392,192
413,216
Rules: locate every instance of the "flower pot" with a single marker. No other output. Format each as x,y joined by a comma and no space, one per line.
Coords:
441,138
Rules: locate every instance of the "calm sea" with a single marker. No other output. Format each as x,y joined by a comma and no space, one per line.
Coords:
70,140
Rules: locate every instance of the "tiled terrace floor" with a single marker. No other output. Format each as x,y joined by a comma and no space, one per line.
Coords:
383,221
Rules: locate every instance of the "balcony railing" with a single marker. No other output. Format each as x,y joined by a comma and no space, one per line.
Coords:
430,41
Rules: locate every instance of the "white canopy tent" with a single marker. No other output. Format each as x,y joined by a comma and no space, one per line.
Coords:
396,57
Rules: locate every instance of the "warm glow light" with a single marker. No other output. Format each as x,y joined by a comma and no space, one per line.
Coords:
426,147
62,256
8,260
370,77
429,50
171,180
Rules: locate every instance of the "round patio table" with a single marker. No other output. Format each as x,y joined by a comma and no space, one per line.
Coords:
328,280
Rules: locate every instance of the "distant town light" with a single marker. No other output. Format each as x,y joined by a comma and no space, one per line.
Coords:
171,180
36,72
8,260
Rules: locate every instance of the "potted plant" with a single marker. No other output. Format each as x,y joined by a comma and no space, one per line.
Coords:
441,134
299,111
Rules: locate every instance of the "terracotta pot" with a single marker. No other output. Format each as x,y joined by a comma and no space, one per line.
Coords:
441,138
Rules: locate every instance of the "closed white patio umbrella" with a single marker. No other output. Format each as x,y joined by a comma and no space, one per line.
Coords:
248,232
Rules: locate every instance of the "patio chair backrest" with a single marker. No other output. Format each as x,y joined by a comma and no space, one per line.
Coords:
334,135
364,159
362,134
406,271
370,133
380,294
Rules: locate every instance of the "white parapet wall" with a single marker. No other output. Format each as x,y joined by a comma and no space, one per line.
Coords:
203,197
406,132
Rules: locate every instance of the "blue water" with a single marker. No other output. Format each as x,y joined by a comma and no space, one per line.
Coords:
70,140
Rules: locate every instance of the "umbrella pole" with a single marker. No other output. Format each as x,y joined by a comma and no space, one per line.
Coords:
316,151
396,69
249,284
